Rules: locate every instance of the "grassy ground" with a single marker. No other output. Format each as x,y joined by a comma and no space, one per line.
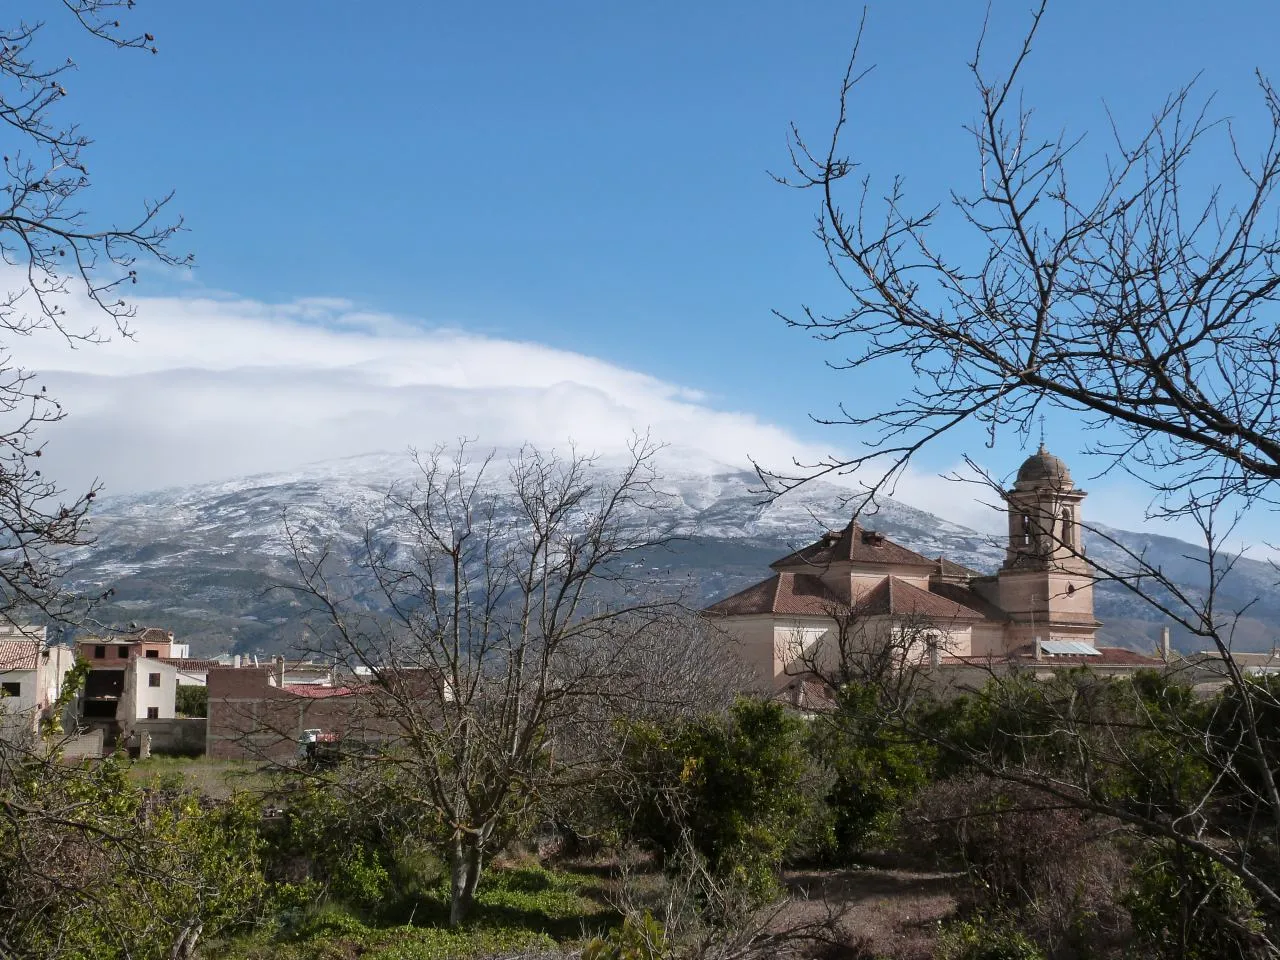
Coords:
213,778
526,910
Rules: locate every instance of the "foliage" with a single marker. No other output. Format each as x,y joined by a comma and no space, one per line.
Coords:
192,700
877,770
639,938
340,938
358,846
983,939
734,787
1188,907
94,866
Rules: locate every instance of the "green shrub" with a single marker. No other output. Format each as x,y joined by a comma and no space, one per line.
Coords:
734,788
192,701
1189,907
639,938
982,939
875,773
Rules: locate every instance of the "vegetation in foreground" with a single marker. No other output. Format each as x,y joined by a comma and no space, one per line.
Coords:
741,833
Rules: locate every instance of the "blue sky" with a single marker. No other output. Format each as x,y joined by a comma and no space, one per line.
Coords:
590,177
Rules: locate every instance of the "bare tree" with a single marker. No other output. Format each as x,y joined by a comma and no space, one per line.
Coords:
502,629
60,266
1126,298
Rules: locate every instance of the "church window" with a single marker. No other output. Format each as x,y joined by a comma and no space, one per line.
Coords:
1026,529
1068,531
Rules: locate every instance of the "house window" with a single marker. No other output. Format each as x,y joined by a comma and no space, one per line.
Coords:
99,652
11,688
122,652
153,679
153,654
153,713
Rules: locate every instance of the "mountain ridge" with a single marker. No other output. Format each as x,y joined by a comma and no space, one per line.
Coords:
211,561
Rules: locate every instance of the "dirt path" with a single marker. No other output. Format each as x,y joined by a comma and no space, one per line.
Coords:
889,913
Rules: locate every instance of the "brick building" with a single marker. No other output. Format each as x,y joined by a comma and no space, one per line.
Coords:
253,716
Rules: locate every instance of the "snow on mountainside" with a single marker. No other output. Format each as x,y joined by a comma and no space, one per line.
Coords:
209,561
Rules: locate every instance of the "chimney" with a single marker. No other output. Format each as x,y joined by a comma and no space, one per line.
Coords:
1164,644
235,661
935,654
279,670
1039,650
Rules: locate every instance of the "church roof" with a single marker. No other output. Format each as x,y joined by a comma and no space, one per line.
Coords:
853,544
969,598
802,594
895,597
949,568
798,594
1043,466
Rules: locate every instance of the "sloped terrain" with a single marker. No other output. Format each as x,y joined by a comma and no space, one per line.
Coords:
213,563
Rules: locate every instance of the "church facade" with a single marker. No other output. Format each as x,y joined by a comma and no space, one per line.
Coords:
1037,607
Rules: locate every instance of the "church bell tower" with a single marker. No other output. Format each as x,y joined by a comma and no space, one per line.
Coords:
1044,584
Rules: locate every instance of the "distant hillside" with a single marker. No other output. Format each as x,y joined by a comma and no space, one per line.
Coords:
208,561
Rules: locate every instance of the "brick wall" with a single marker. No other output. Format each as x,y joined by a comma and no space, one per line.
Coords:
252,720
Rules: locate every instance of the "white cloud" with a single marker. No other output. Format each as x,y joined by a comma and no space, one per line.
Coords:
220,387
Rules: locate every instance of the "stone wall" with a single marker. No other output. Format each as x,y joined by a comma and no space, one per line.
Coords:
181,737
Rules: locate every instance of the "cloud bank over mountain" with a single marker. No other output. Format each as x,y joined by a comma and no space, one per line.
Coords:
218,387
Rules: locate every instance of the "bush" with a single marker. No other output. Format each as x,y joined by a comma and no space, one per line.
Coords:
981,939
639,938
875,773
192,701
1188,907
1055,869
731,789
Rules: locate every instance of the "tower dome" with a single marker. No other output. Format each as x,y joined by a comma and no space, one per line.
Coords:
1041,467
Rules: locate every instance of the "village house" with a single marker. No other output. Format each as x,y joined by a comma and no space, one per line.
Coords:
1035,612
31,677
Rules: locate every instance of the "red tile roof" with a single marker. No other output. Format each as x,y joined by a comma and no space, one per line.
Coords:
798,594
969,598
949,568
807,692
19,654
188,663
314,691
853,544
895,597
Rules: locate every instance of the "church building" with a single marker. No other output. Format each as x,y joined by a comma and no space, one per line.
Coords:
1038,607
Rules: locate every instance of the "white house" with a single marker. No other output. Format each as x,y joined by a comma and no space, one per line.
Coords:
150,691
31,675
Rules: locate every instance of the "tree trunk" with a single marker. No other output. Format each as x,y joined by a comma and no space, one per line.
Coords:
475,859
465,861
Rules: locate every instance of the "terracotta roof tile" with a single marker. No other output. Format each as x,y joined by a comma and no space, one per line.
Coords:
19,654
895,597
190,663
853,544
798,594
969,598
949,568
314,691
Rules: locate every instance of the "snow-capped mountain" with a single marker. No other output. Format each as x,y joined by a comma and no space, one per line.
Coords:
212,562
